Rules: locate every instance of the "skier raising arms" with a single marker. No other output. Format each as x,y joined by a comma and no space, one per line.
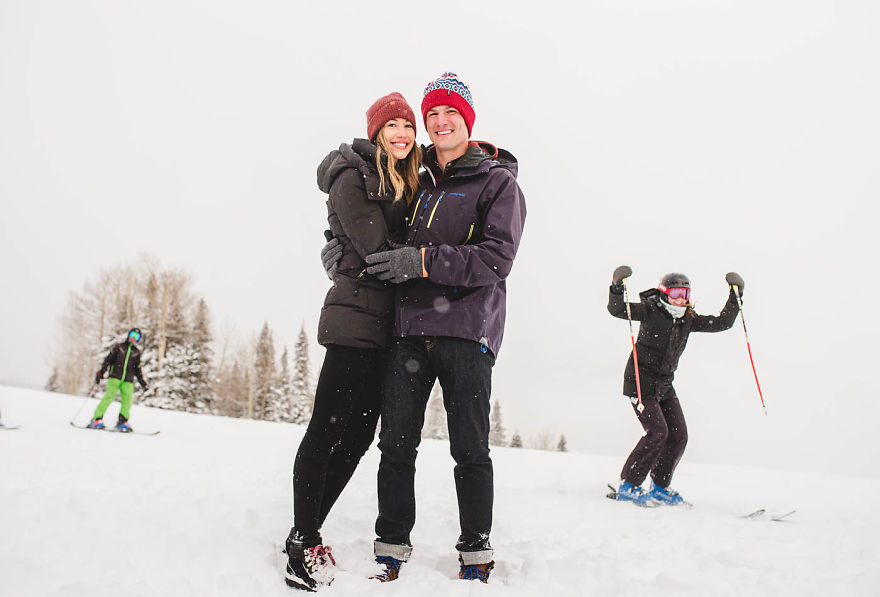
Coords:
667,318
124,363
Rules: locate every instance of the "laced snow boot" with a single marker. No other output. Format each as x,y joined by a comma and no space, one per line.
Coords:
308,568
390,568
666,496
478,572
122,425
627,492
96,424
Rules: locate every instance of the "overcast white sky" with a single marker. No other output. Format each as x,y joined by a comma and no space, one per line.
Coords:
692,136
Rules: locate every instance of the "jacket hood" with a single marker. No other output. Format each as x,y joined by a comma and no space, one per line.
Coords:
479,157
359,155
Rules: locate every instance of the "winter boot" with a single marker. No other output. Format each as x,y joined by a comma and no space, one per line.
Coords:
96,424
122,425
308,568
478,572
664,495
627,492
390,568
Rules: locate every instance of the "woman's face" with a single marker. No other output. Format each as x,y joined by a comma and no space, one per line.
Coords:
399,136
678,302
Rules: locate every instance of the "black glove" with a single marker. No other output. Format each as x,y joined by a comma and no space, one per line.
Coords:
331,254
145,387
98,377
734,279
396,265
624,271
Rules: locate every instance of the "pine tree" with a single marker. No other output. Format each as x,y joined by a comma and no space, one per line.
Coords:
264,374
562,446
303,398
284,389
435,416
516,440
201,386
497,434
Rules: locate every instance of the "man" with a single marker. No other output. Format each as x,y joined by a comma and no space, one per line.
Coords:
124,363
463,232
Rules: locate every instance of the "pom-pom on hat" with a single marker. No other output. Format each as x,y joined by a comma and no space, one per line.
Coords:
387,108
449,90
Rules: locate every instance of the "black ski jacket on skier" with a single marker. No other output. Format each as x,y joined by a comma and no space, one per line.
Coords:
662,339
124,362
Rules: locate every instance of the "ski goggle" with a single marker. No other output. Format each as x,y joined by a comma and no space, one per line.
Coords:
136,336
676,293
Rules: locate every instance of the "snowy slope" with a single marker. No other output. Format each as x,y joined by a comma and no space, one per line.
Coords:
203,508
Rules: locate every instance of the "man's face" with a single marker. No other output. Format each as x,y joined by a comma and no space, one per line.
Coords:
447,129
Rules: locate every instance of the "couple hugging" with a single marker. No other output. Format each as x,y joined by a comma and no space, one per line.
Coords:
422,240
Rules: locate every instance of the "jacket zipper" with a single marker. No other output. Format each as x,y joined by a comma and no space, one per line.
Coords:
470,232
125,364
433,211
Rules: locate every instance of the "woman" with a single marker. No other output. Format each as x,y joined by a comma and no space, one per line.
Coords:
667,318
370,184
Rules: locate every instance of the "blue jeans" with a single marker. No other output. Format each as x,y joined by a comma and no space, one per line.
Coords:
464,369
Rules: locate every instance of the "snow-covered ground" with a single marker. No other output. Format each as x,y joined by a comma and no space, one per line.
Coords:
203,509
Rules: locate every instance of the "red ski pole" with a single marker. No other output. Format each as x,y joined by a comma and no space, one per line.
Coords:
749,345
632,336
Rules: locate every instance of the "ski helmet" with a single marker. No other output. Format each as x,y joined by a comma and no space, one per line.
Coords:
673,280
136,334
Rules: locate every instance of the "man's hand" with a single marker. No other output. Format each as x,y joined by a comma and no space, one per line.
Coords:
396,265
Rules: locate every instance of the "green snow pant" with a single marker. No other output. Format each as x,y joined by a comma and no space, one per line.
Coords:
125,388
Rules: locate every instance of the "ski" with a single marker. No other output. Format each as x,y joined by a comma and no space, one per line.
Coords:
760,512
113,429
9,427
613,494
782,517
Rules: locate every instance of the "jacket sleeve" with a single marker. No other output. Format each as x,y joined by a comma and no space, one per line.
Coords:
108,360
490,260
720,322
137,371
617,307
362,220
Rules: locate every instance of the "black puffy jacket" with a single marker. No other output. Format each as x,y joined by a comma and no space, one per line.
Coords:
358,309
662,339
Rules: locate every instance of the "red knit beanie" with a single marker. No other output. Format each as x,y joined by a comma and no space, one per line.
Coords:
449,90
387,108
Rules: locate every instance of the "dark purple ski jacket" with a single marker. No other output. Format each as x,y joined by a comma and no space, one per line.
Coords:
470,219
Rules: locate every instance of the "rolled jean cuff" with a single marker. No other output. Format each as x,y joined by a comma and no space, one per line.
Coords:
472,558
393,550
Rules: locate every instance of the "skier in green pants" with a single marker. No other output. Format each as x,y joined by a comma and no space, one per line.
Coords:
124,363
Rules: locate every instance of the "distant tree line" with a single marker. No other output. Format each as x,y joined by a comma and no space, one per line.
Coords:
435,427
188,369
178,359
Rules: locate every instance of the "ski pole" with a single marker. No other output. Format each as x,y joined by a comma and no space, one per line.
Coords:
748,345
632,336
89,394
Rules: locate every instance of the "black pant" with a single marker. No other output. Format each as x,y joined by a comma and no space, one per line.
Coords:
661,447
340,431
464,369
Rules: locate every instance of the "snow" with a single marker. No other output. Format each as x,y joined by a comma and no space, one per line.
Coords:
204,507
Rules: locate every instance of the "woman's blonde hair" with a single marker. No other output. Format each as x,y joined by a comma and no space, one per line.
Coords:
402,174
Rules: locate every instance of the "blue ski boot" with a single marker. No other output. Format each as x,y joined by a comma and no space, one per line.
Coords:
627,492
123,426
665,496
96,424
